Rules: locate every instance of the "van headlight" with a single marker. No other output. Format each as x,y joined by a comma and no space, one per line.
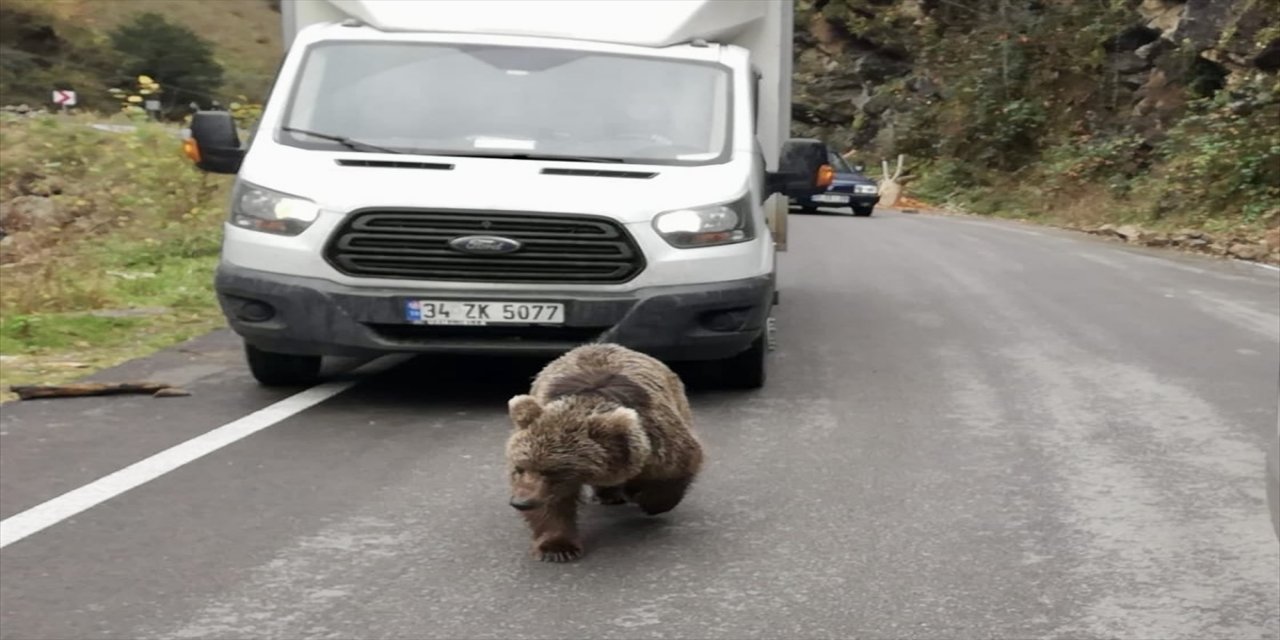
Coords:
253,207
706,226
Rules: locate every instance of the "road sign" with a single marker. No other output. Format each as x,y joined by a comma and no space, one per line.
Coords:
152,105
64,98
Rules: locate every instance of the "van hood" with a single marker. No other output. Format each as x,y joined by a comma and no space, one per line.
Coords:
344,181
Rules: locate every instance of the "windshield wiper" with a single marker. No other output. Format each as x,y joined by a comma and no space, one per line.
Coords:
530,156
357,144
342,140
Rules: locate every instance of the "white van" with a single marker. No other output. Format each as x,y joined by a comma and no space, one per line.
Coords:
484,177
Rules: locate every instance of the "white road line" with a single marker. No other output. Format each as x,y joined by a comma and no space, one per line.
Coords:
1260,265
47,514
1073,234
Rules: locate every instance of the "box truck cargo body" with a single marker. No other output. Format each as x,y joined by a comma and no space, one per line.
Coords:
489,177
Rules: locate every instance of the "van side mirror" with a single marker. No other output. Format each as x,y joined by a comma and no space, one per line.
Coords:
859,168
802,169
214,145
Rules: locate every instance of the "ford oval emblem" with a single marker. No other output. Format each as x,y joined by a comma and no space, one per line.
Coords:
485,244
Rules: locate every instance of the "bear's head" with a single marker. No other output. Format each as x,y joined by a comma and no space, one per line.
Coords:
570,442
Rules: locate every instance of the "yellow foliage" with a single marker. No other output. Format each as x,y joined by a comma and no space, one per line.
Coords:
131,101
245,113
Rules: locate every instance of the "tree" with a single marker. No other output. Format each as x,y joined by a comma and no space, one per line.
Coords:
178,59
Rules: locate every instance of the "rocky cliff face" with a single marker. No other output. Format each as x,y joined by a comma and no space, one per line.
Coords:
868,68
1158,113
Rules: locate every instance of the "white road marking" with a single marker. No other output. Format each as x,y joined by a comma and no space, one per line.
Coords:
1242,315
1077,235
71,503
1261,265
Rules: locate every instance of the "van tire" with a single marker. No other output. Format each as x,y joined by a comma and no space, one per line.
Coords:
747,370
281,369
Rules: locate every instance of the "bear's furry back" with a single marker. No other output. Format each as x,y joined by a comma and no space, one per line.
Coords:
619,376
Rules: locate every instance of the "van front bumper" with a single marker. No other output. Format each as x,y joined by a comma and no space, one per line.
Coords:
309,316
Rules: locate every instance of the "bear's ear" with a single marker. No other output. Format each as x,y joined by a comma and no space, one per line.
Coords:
524,409
621,420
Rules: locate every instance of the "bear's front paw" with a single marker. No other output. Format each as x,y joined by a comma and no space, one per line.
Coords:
559,550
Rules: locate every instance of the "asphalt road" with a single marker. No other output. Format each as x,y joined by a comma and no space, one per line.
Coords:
972,430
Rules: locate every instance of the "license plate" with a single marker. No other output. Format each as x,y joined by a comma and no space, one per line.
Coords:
482,312
831,198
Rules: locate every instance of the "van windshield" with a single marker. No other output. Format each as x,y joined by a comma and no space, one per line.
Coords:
451,99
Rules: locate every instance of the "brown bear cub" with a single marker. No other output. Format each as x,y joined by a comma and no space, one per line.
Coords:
601,416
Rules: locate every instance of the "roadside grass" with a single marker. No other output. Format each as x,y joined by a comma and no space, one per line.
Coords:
1216,170
1036,195
1081,206
122,263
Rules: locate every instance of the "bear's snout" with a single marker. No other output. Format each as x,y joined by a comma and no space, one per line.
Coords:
524,504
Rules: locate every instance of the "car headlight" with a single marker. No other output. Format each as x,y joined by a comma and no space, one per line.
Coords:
706,226
866,188
253,207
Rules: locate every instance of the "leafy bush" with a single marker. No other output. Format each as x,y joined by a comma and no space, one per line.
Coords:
944,180
173,55
1227,152
1114,161
36,57
133,103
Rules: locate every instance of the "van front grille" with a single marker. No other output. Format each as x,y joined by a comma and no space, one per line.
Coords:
414,244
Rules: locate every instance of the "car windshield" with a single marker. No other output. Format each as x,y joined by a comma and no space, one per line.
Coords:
454,99
838,163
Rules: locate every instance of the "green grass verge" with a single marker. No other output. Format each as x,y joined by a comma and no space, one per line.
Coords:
124,268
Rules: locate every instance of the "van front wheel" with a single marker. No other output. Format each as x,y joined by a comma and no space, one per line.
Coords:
281,369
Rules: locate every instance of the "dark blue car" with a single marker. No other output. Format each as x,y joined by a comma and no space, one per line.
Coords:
850,188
